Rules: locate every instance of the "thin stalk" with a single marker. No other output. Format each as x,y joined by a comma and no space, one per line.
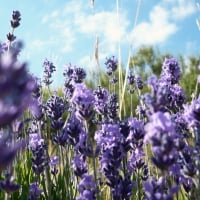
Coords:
7,196
63,168
48,182
131,105
125,83
93,156
124,161
194,95
47,178
96,48
197,140
119,61
129,58
139,195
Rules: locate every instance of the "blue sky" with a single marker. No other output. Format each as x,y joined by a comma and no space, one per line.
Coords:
65,31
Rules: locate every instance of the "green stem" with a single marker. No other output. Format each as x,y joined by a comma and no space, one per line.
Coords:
91,141
48,182
139,197
7,196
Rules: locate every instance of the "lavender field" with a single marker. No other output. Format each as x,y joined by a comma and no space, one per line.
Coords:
114,134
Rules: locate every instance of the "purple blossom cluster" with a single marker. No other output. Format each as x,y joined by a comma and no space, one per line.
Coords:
73,75
49,68
166,93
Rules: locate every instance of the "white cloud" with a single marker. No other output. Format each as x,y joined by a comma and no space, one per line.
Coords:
75,20
163,22
60,25
40,44
180,9
52,16
37,44
103,23
157,30
107,26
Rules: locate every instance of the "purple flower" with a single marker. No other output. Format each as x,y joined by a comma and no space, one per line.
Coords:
156,190
8,153
38,148
16,86
54,160
136,130
36,107
111,65
79,165
108,136
35,140
192,113
11,37
53,164
112,107
34,191
139,82
166,94
8,185
87,188
68,89
110,142
83,99
171,71
16,17
145,172
160,131
87,182
124,188
74,73
141,111
49,68
55,108
73,130
111,163
158,100
100,100
3,47
68,71
131,78
164,152
159,122
177,97
79,75
136,160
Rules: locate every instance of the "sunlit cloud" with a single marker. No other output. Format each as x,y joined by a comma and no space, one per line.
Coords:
154,31
180,9
103,23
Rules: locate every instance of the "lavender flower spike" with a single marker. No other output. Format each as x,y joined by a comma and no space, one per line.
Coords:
16,17
171,70
159,122
8,153
111,65
16,86
8,185
87,188
83,99
49,68
34,191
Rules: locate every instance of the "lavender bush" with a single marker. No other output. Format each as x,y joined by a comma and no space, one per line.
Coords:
87,143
